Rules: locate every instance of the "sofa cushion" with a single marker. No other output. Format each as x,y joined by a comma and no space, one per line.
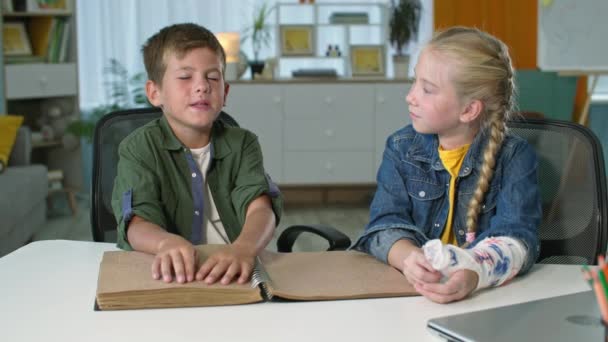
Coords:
9,125
23,187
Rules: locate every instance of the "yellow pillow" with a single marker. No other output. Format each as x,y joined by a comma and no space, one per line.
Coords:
9,125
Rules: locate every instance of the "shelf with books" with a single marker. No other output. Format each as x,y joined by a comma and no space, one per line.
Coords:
40,80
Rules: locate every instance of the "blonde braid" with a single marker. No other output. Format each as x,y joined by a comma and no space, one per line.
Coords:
496,124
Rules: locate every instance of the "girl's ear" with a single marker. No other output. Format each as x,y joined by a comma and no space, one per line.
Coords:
471,111
153,93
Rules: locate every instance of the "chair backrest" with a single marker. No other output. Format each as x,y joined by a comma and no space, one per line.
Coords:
110,130
572,179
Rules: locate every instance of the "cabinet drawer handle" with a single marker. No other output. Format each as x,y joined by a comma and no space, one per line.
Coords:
329,166
329,132
277,99
43,81
329,100
380,99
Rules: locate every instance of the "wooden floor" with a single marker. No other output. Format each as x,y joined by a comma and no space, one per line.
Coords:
350,219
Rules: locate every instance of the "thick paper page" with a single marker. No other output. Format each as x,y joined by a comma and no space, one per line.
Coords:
125,282
332,275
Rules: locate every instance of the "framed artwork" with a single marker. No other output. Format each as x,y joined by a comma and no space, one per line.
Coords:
15,40
367,60
47,6
297,40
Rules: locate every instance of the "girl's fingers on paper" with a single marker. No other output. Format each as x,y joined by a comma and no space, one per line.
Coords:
231,272
178,266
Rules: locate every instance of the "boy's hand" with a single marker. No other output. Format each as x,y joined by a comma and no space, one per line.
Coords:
228,263
418,270
459,285
177,256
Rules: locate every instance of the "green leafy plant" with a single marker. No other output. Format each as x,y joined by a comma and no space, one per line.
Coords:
403,24
122,90
260,30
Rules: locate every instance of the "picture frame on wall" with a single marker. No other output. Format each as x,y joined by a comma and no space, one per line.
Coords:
297,40
15,41
367,60
48,6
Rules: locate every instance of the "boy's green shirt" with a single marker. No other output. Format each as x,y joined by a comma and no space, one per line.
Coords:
154,179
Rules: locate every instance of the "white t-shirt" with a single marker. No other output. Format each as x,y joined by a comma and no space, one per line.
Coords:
213,229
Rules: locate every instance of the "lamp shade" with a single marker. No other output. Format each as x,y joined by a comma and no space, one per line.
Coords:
231,43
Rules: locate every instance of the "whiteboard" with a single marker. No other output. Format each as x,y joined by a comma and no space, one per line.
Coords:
573,35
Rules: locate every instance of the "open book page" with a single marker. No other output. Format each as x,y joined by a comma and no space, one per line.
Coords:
332,275
125,282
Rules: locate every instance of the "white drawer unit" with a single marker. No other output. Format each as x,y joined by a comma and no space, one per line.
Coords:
329,101
321,133
260,109
328,168
392,114
30,81
330,134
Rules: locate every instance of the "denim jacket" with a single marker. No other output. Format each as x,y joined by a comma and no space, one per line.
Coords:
411,200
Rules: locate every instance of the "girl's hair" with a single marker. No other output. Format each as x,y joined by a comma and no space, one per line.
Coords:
484,72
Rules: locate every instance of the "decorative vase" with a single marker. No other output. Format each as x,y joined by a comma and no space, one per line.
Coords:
401,65
256,68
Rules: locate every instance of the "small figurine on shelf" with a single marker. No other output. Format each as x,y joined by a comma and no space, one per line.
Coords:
337,52
329,52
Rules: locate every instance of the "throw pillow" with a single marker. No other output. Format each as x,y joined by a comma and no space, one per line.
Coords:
9,125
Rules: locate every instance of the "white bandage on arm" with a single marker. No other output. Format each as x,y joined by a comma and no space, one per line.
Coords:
494,259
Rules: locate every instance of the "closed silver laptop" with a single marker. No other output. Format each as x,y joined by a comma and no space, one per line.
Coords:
573,317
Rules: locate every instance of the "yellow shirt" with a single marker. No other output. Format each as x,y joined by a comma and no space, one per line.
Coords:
452,161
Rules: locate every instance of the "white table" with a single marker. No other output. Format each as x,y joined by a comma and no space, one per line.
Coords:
47,290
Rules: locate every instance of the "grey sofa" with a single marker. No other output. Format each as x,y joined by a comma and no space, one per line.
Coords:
23,192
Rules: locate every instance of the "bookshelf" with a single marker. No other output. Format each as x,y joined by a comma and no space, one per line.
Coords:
40,79
354,27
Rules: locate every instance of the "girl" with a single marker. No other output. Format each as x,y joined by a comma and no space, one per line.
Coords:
456,175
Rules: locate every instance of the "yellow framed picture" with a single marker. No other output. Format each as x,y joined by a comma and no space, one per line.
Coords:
367,60
297,40
15,40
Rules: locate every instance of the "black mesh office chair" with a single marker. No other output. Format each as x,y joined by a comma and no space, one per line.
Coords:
110,131
572,179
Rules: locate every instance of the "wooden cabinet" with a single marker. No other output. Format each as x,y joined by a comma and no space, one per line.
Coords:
329,133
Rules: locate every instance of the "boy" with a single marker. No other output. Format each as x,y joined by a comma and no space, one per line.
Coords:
186,178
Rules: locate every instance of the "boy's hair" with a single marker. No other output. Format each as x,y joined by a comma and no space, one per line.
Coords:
484,72
178,39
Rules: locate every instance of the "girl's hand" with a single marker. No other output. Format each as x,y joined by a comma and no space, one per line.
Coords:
459,285
418,270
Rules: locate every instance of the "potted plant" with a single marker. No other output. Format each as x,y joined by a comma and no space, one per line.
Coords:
403,25
260,34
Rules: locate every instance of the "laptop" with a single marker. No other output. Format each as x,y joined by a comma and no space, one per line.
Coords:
573,317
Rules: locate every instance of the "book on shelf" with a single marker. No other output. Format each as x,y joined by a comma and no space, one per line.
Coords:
41,32
125,281
349,18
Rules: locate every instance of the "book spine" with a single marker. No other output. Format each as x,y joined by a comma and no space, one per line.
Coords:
259,278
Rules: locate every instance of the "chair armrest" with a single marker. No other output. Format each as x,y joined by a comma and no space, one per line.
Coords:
22,149
337,240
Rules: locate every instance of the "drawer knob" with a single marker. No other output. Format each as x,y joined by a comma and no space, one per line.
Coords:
43,81
329,132
277,99
329,166
329,100
381,99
